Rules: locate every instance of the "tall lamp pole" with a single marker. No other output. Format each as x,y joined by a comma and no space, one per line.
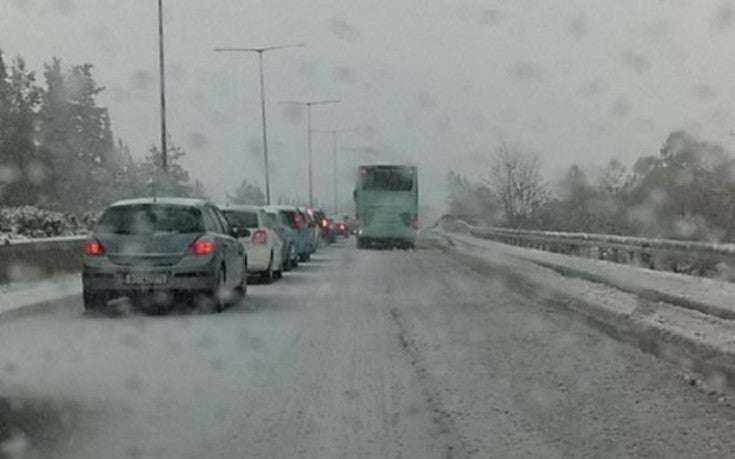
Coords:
162,76
260,52
308,105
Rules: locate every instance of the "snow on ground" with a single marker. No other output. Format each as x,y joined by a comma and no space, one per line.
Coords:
698,340
17,295
719,295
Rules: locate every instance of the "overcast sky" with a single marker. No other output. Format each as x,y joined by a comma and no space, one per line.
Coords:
433,82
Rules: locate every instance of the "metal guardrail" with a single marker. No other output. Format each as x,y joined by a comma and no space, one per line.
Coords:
701,258
36,259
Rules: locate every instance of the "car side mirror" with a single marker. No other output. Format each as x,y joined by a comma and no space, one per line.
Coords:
238,232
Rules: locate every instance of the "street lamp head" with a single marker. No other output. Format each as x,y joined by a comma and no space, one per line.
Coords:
259,50
309,103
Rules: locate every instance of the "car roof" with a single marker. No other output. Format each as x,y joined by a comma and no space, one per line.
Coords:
191,202
281,207
249,208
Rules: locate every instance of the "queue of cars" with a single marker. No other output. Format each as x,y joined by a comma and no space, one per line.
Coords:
157,252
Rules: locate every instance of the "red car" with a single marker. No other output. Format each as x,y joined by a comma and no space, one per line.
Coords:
341,227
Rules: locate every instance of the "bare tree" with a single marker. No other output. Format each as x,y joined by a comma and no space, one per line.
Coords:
515,178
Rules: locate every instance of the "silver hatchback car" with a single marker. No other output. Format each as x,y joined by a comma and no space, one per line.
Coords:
153,250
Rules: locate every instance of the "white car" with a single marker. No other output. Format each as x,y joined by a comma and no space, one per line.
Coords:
264,246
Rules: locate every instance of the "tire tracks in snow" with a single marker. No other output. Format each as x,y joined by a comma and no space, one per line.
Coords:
448,433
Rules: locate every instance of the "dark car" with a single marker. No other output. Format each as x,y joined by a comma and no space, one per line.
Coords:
296,220
155,250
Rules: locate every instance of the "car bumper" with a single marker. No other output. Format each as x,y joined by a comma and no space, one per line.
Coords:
183,277
259,258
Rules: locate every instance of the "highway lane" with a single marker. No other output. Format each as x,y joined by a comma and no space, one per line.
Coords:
357,354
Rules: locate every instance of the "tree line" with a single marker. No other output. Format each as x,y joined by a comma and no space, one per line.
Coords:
58,150
686,191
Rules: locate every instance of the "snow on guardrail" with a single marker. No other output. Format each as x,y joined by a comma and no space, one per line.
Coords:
690,257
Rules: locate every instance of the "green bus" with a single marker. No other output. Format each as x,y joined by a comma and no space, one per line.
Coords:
386,205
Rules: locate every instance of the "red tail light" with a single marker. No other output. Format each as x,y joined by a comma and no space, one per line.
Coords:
324,223
202,247
93,248
297,220
259,237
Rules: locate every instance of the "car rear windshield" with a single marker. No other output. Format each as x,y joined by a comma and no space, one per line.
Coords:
242,218
150,219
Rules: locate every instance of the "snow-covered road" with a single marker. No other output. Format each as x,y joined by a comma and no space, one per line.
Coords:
357,354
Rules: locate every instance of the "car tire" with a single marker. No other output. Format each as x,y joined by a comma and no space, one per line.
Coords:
293,256
242,289
94,301
282,268
269,275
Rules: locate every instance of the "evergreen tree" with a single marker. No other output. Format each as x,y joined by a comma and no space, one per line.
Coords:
23,167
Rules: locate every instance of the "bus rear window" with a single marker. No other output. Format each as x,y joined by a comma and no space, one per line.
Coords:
388,179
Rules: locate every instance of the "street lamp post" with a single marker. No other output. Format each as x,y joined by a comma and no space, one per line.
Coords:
260,52
162,76
308,105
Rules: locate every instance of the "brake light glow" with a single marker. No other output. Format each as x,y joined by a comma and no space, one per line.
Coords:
324,223
202,247
259,237
93,248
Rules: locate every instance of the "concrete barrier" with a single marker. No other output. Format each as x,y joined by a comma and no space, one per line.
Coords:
38,259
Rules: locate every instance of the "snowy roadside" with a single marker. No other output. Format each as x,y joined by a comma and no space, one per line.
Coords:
700,343
710,296
18,295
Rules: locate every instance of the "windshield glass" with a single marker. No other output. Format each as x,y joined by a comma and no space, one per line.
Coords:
458,229
387,179
147,219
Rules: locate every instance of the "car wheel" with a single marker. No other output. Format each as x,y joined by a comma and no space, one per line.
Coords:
269,275
294,257
242,289
94,301
282,268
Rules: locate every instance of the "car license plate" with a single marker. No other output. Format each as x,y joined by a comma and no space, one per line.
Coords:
146,278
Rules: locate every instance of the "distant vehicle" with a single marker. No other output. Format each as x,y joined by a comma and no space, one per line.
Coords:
323,223
386,200
296,220
312,224
281,220
263,246
153,250
341,227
